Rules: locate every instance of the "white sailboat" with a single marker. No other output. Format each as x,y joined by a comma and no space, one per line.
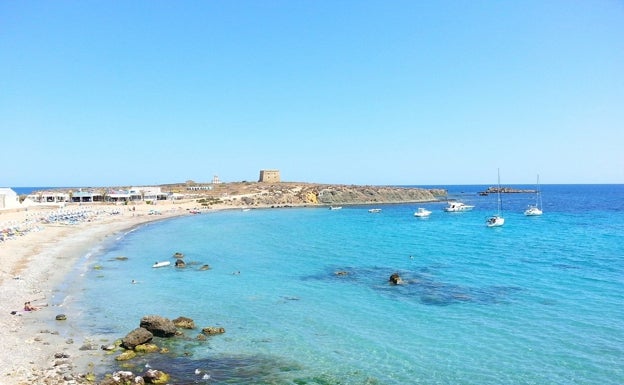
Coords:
497,220
536,209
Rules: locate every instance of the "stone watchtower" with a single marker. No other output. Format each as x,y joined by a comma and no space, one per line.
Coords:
269,176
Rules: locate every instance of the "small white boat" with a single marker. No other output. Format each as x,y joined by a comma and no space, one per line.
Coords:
422,213
335,207
374,210
161,264
454,207
535,210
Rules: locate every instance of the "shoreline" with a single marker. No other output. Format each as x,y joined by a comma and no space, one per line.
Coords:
41,257
36,263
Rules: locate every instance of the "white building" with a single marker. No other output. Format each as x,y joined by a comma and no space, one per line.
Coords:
9,199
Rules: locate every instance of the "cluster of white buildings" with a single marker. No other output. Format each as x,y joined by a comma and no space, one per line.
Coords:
10,200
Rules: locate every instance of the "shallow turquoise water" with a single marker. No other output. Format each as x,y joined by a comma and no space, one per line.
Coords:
538,301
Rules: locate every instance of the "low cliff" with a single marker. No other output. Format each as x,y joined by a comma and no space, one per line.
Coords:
281,194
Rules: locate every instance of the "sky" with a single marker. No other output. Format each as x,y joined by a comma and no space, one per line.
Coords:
117,93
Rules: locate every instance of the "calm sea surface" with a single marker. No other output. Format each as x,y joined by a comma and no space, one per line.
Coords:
538,301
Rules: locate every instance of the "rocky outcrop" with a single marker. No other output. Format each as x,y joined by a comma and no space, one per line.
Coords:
158,325
284,194
363,194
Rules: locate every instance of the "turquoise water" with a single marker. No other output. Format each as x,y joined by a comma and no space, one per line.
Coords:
538,301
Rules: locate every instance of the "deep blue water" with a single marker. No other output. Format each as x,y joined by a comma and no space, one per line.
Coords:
538,301
29,190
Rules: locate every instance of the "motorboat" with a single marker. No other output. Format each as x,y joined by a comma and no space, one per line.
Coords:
374,210
161,264
456,206
422,212
335,207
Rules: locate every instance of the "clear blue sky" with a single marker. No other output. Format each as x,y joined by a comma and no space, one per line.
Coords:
96,93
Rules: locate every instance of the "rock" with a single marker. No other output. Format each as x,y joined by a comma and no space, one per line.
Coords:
180,263
88,346
61,317
136,337
146,348
205,267
123,378
395,279
125,356
158,326
201,337
184,323
178,255
210,330
153,376
342,272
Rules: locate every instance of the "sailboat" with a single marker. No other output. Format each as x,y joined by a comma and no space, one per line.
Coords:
497,220
536,209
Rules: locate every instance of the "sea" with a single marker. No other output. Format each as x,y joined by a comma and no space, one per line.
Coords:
303,294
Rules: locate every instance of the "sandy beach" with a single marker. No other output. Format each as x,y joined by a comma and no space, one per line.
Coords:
39,250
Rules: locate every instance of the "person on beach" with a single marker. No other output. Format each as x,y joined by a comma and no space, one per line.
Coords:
29,307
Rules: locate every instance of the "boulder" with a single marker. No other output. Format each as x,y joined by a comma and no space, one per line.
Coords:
122,378
184,323
180,263
136,337
158,325
153,376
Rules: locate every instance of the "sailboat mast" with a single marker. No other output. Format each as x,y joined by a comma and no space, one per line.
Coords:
500,203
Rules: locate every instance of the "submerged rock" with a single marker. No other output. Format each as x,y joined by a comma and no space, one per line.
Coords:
210,330
146,348
395,279
127,355
184,323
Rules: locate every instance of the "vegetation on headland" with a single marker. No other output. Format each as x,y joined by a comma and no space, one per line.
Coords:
259,194
296,194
